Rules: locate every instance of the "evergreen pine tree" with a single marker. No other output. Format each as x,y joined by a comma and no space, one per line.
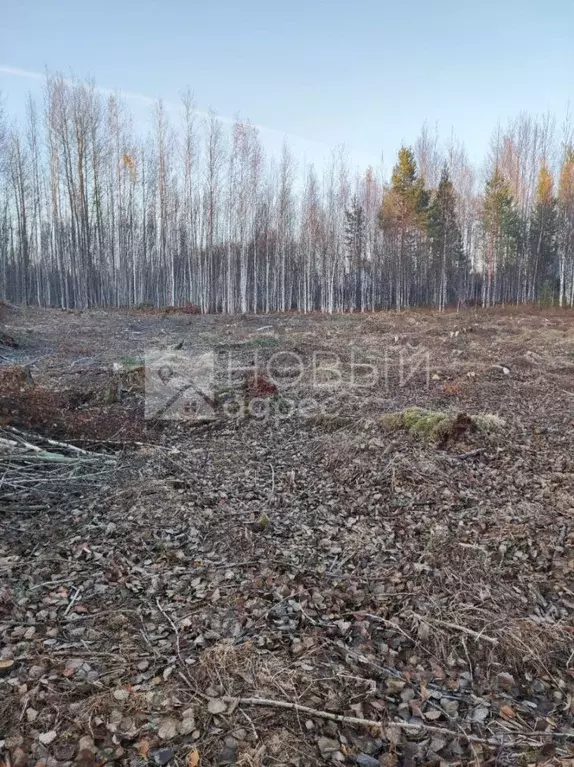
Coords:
409,198
502,234
403,218
445,237
566,228
355,242
542,238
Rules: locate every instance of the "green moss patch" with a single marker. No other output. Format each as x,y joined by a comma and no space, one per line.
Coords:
436,426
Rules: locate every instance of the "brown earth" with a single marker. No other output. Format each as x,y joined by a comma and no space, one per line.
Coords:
274,542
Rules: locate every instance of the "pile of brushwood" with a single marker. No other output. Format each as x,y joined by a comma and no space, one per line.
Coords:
35,471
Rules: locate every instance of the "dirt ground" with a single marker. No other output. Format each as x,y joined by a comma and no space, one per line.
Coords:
185,589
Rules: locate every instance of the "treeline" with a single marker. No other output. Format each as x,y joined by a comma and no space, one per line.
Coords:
93,215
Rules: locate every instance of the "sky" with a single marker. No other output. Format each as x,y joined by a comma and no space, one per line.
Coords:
366,74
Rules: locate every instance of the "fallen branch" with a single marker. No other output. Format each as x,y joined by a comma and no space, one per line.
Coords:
287,705
33,465
10,444
471,453
54,442
464,630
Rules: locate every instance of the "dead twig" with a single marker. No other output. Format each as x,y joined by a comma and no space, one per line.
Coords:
174,628
183,673
471,453
300,709
250,720
73,600
463,629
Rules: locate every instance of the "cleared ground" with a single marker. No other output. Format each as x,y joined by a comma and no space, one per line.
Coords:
307,551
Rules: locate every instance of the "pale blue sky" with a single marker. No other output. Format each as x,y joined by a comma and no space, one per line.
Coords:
366,74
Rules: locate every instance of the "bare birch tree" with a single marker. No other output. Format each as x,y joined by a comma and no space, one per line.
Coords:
94,214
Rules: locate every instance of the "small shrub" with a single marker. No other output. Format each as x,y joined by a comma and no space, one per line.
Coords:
113,408
257,386
15,379
8,341
453,389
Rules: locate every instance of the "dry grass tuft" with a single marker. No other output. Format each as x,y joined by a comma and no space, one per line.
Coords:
236,670
488,422
330,422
